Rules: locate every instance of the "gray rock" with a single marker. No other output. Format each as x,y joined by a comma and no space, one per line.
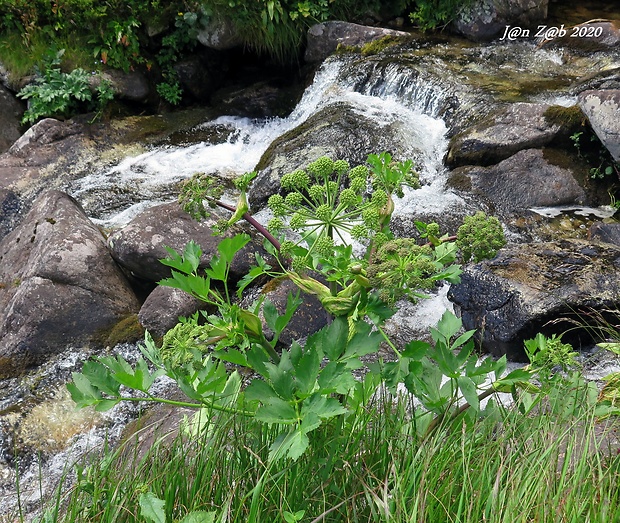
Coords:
44,132
549,287
527,179
11,111
337,131
220,34
163,307
589,36
602,109
132,85
59,285
605,232
10,207
141,244
503,133
323,39
485,20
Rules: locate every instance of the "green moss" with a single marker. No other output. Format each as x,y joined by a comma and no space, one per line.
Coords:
128,330
569,118
376,46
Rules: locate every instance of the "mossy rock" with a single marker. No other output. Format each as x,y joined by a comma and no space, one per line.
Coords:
128,330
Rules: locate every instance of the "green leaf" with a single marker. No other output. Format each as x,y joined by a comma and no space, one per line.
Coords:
469,391
82,391
336,377
100,377
152,508
199,516
416,350
276,410
447,327
307,371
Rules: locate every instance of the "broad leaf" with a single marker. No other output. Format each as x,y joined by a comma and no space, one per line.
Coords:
152,508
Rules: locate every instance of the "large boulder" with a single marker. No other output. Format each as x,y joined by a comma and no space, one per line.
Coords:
142,243
550,287
220,33
323,39
484,20
602,109
338,131
59,286
503,133
526,179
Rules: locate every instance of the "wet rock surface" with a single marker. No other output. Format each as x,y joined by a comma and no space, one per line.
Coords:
507,131
602,108
530,288
323,39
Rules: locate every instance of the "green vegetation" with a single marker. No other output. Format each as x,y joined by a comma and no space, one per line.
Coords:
306,435
591,149
153,35
61,95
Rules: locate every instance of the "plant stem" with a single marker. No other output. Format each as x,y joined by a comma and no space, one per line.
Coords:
251,220
388,341
190,405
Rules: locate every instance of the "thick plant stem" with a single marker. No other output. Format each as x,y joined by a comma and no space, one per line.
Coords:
213,406
252,221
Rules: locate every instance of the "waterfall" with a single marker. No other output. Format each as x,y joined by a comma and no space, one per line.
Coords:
114,196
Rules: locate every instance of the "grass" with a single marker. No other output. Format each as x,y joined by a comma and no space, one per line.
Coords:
550,466
38,46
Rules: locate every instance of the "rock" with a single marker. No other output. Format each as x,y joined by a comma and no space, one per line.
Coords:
60,286
338,131
503,133
220,34
589,36
484,20
10,207
548,287
11,111
131,86
163,307
141,244
265,99
527,179
323,39
198,77
605,232
602,109
44,132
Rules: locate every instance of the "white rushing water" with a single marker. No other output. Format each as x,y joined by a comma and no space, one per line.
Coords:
150,178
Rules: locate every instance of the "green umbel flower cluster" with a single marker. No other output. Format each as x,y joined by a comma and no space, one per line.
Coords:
401,265
480,237
328,201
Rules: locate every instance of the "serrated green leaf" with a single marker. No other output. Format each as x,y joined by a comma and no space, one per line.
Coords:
99,376
276,410
259,390
469,391
416,350
232,356
307,371
105,405
152,508
335,377
82,391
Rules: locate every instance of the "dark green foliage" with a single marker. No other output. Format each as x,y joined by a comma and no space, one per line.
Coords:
62,95
432,14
